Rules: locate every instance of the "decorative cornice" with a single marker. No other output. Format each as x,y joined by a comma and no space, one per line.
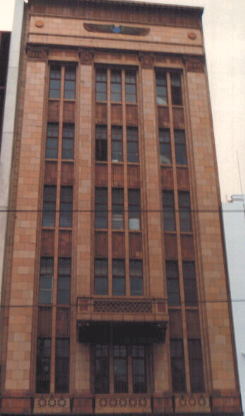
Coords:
194,63
37,53
117,29
86,56
147,60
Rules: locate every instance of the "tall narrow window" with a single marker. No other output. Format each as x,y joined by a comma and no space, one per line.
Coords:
70,82
116,144
101,208
176,89
62,365
66,196
172,276
117,209
101,85
168,211
101,370
165,146
185,211
64,278
43,365
101,276
130,87
161,88
118,277
139,369
120,361
196,365
68,141
55,81
134,209
180,147
133,145
49,205
190,285
101,143
177,365
46,280
136,277
52,141
116,86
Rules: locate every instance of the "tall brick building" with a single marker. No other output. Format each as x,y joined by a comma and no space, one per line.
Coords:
114,297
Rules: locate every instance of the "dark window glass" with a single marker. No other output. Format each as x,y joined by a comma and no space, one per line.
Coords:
177,365
101,85
101,143
136,277
101,370
190,285
49,205
55,81
172,275
139,369
161,88
43,365
165,146
64,278
130,87
66,196
117,209
185,211
134,209
116,86
70,83
168,211
133,144
196,365
45,280
116,144
52,141
101,276
68,141
180,147
101,208
118,277
176,89
62,365
120,362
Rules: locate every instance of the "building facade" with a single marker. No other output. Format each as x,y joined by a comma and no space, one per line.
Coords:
114,296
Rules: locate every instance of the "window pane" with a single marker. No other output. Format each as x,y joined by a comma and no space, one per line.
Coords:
120,364
117,144
70,83
52,141
168,211
190,285
177,365
139,369
130,87
116,86
134,209
49,205
64,278
176,89
55,81
101,143
161,88
101,85
101,276
43,365
62,365
66,196
172,275
196,365
101,369
184,211
180,147
45,280
101,208
68,141
136,277
117,209
133,145
118,277
165,146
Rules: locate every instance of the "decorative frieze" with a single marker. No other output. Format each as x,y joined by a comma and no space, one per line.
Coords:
147,60
192,403
194,63
86,56
123,404
39,53
52,404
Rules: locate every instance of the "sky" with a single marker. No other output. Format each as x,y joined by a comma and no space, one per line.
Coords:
224,32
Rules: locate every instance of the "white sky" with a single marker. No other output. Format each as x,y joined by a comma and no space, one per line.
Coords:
224,31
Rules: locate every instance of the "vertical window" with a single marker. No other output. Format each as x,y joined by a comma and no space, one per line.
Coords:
64,278
168,211
136,277
116,144
116,86
176,89
118,277
70,83
130,87
101,277
66,195
180,147
101,143
165,146
101,370
117,208
177,365
190,286
45,280
139,369
196,365
185,211
101,85
55,81
172,276
49,205
43,365
133,145
120,361
101,208
68,141
134,209
52,141
62,365
161,88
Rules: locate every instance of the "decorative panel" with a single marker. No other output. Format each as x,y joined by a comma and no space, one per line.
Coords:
133,176
65,243
116,114
51,405
47,243
63,322
67,174
118,245
101,244
44,322
187,247
53,111
126,404
167,181
117,176
183,178
163,117
175,324
101,114
178,115
132,115
50,173
192,403
135,245
171,246
69,112
101,175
